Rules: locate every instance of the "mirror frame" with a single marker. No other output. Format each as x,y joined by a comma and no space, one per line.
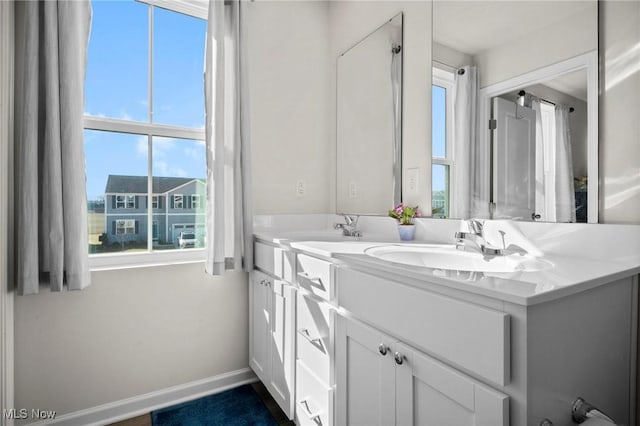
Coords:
587,61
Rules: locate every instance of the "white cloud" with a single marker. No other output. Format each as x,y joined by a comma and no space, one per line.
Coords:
142,145
124,115
100,114
178,171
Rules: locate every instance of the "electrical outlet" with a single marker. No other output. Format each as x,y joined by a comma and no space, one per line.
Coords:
412,181
301,188
353,190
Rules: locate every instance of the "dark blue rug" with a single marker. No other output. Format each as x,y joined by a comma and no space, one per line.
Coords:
236,407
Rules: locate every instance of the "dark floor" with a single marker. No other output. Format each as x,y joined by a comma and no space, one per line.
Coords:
261,390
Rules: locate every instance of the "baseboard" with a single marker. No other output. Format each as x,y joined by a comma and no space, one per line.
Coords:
142,404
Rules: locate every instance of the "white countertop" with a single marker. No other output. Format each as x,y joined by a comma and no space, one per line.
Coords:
567,275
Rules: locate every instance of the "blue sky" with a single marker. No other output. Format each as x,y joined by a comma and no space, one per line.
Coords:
438,134
117,87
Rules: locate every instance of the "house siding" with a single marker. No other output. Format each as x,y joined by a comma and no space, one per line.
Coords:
170,220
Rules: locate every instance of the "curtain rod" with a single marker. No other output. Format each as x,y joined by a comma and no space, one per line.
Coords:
448,67
522,93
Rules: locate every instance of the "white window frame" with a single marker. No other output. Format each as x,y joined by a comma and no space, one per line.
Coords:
125,201
154,201
196,202
446,79
178,198
128,226
150,130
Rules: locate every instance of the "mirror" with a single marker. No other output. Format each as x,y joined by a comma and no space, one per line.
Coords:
368,122
505,76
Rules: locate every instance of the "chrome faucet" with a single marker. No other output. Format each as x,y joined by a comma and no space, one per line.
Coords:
349,226
475,236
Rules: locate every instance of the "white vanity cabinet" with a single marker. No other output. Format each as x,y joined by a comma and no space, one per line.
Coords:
314,347
381,381
272,333
408,352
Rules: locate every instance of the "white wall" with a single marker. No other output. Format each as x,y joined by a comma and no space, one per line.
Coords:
289,85
349,22
554,43
451,57
619,138
131,332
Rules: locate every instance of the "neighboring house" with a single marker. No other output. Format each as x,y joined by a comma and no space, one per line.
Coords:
178,205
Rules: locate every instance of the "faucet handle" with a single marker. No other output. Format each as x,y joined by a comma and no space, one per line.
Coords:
351,220
475,226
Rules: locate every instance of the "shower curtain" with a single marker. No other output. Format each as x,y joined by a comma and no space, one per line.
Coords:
555,196
565,194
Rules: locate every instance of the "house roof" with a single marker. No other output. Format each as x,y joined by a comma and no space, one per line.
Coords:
119,184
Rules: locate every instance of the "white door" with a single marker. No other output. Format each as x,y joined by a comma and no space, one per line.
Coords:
514,150
259,332
365,375
281,336
429,393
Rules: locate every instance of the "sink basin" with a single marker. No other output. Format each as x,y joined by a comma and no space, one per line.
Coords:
449,258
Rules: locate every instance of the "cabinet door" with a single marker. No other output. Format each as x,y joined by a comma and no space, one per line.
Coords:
432,394
281,336
259,331
365,377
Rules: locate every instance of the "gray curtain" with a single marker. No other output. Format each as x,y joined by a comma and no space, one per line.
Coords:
50,194
229,213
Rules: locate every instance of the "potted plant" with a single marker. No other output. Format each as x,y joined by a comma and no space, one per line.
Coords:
404,215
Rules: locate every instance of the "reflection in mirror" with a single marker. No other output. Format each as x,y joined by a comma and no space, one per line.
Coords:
545,176
501,154
368,122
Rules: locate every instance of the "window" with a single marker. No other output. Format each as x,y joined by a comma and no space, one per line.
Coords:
127,226
125,201
144,123
442,162
195,201
177,201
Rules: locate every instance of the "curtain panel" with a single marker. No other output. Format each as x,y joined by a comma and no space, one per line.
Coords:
466,200
50,193
229,212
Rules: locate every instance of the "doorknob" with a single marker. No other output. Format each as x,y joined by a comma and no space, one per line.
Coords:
535,216
399,358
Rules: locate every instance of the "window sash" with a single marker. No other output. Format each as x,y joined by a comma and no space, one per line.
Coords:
195,201
150,130
178,201
446,79
125,226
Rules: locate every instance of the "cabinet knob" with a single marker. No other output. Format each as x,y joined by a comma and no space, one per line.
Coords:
382,348
399,358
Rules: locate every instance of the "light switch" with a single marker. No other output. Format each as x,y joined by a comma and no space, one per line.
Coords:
412,181
353,190
301,188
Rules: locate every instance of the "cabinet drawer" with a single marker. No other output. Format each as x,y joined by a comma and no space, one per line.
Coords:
313,398
313,335
315,275
273,260
469,336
